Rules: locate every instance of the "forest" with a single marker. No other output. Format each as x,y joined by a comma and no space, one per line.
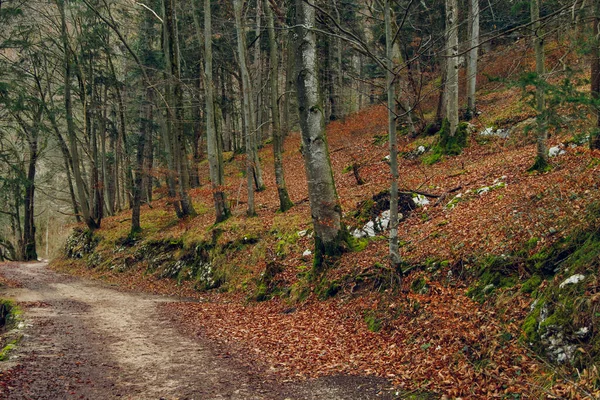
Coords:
422,175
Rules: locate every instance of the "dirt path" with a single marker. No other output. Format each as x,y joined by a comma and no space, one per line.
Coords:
83,340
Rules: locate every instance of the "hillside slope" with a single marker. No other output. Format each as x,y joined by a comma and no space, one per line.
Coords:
491,230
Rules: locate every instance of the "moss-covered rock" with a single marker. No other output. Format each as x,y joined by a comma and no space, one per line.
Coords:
80,243
563,319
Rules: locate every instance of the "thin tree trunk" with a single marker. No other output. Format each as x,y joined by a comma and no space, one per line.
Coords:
247,111
139,166
215,156
79,184
289,84
541,161
452,64
389,50
29,244
284,199
472,55
595,75
330,235
178,144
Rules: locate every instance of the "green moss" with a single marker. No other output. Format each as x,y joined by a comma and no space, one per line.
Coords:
358,244
4,353
494,272
432,158
8,313
373,322
453,144
540,165
531,284
419,285
325,251
327,289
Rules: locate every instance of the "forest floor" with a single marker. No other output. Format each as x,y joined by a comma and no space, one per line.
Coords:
87,340
425,337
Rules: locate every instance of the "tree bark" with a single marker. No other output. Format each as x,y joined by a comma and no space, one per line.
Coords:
452,64
284,199
330,234
79,184
178,143
394,252
215,156
246,107
472,55
541,161
595,75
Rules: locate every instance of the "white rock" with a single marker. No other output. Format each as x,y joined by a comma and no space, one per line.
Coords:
302,233
573,279
369,228
382,222
359,233
307,253
420,200
501,133
555,151
421,149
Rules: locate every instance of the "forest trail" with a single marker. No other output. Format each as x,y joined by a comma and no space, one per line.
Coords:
85,340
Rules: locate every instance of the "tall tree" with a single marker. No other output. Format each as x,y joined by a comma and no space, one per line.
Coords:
391,103
541,159
82,197
175,109
472,55
284,199
215,156
595,73
330,234
452,64
247,112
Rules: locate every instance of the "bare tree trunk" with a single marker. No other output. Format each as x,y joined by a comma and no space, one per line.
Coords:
79,184
452,64
139,166
595,75
181,162
68,161
29,243
330,235
247,111
289,84
472,55
257,96
284,199
215,157
541,160
393,245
